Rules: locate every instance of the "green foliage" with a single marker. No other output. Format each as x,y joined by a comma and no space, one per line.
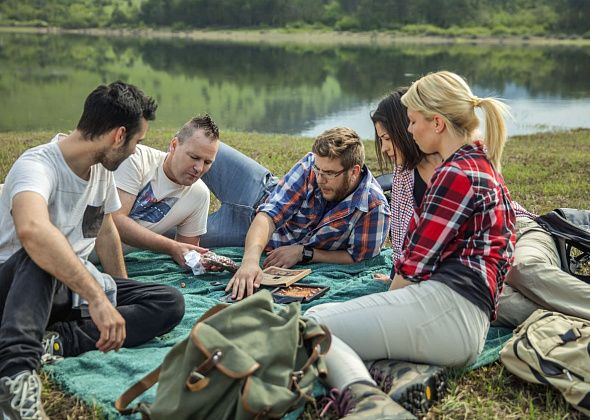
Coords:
347,23
443,17
71,14
423,29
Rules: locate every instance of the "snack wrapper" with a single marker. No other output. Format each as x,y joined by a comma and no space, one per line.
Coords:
194,261
202,263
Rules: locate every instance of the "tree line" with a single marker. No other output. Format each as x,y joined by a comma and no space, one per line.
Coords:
436,17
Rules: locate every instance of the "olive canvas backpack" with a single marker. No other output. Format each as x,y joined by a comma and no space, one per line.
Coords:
251,359
553,349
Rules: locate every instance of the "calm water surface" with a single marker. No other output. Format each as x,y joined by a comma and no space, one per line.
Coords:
292,89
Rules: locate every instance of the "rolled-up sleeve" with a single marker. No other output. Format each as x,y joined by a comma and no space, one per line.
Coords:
369,233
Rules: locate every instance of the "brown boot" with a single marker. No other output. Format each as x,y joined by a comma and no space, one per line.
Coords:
414,386
370,402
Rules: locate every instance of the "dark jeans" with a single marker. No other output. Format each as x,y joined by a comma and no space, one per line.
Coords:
32,301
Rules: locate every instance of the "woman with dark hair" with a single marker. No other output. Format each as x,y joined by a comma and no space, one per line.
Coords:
412,168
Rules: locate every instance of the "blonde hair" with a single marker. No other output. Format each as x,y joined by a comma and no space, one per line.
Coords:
448,95
340,143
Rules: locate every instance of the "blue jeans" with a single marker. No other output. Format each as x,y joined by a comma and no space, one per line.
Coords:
240,184
31,301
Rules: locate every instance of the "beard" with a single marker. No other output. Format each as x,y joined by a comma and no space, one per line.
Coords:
111,161
341,192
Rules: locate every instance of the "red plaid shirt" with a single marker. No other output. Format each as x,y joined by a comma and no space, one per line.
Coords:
466,216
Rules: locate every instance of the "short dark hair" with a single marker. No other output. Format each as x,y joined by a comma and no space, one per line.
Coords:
116,105
393,115
340,143
203,122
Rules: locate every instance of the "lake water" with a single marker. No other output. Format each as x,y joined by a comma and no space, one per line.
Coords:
282,89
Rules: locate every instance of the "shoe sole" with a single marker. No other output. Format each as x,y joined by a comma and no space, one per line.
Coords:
418,398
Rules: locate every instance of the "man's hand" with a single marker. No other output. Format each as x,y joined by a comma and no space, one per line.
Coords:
246,279
399,282
178,250
109,322
284,256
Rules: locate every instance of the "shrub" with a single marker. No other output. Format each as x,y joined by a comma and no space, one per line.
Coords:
422,29
347,23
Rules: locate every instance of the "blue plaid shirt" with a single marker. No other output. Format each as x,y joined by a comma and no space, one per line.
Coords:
357,224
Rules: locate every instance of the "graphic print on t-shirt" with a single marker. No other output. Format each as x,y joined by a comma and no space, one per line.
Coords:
148,208
92,220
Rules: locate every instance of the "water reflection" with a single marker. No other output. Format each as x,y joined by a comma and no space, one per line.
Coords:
44,79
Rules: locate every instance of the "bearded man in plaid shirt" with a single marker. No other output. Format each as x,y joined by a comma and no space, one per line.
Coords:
328,208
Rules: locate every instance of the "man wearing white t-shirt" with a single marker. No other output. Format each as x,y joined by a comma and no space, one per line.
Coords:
162,192
55,208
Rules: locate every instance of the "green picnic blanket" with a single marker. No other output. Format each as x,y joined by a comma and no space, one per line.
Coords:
99,379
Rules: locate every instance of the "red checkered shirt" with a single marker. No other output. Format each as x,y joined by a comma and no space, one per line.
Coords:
467,216
403,207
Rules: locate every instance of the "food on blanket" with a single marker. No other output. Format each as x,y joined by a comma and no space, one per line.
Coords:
211,259
305,293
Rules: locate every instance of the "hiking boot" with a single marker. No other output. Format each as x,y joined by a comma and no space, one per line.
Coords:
52,348
20,397
370,402
415,386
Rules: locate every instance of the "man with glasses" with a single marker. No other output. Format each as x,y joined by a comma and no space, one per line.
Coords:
328,208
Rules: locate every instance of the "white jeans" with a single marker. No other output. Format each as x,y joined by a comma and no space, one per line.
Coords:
426,322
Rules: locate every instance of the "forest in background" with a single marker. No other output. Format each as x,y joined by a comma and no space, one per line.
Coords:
562,18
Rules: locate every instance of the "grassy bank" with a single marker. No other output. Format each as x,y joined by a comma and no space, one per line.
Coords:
543,171
310,36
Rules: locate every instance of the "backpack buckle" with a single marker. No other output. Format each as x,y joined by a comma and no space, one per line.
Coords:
295,378
197,379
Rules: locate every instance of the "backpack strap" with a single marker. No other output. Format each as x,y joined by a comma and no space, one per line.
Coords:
320,343
135,391
150,379
569,229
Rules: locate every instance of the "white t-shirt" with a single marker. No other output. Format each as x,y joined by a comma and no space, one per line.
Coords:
162,204
76,206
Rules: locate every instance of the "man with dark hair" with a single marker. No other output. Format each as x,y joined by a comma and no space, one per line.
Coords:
55,208
328,208
162,192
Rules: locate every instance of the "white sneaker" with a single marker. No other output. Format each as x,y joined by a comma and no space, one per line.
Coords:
52,348
20,397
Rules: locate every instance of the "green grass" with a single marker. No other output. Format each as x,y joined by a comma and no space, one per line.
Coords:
543,171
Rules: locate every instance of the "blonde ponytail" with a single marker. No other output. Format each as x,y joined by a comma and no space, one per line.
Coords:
448,95
495,126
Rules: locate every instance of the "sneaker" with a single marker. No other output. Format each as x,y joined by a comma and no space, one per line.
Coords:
370,402
20,397
52,348
415,386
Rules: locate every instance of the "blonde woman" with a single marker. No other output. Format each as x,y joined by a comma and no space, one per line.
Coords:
455,257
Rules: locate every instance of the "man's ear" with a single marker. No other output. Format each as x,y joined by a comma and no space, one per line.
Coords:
119,138
356,170
173,144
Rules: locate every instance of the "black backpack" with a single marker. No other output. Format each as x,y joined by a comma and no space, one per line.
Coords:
570,229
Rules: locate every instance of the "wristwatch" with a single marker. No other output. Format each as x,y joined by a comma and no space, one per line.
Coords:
307,254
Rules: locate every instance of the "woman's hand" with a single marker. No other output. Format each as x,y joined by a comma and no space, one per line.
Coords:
384,278
399,282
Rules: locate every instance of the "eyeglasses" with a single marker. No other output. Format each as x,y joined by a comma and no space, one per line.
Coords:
328,175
